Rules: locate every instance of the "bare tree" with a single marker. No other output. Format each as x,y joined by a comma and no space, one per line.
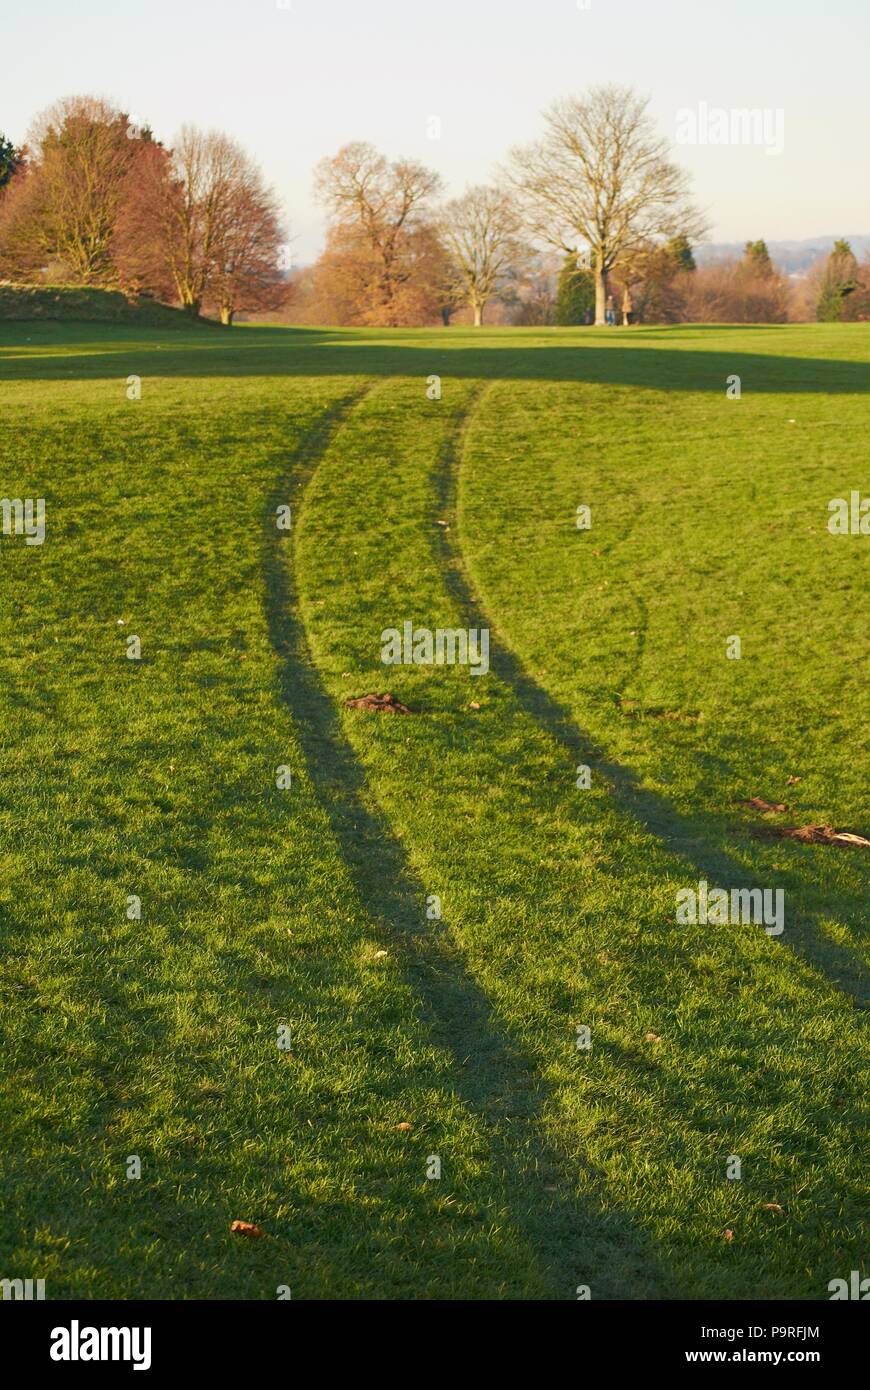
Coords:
200,218
197,217
139,240
247,272
382,206
481,234
63,203
602,173
736,292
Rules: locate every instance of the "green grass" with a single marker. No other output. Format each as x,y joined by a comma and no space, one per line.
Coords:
307,906
67,303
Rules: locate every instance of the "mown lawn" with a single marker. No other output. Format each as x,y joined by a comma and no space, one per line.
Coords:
306,906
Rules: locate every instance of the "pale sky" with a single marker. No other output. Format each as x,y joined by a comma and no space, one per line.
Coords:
293,80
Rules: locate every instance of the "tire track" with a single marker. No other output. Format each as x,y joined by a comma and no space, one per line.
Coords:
843,968
575,1239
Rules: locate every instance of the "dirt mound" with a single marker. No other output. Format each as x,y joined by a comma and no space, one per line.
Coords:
386,704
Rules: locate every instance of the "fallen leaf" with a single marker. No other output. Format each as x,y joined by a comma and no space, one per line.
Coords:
771,1206
814,835
379,955
758,805
403,1125
652,1037
793,781
474,705
728,1234
246,1228
386,704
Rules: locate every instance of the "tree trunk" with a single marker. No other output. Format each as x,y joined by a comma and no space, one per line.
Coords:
227,315
600,291
478,315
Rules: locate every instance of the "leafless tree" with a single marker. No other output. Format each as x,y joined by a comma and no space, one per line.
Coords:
200,217
207,167
481,232
247,272
382,206
601,173
63,203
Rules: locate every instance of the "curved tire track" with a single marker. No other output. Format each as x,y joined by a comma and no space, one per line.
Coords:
576,1240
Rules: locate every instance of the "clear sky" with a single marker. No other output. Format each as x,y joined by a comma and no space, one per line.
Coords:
293,80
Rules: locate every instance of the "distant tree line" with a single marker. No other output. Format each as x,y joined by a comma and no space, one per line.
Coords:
593,223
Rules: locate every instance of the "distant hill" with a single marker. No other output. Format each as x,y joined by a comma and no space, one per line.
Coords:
65,302
791,257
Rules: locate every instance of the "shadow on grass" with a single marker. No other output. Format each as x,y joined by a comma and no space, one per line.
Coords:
617,358
577,1241
842,967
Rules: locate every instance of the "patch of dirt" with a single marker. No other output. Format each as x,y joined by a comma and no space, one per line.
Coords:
756,804
386,704
814,835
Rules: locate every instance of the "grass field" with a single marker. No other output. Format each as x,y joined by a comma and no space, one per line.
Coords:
309,906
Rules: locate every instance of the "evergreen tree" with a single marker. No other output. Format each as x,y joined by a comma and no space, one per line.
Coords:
840,279
575,295
10,158
679,248
756,257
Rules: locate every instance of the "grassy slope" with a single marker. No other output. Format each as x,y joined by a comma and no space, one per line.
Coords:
261,906
67,304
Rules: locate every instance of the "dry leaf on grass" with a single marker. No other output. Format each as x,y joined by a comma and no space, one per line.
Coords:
814,835
756,803
652,1037
403,1125
386,703
728,1234
792,781
246,1228
771,1206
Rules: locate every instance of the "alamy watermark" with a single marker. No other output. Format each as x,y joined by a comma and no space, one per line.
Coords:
849,518
76,1343
25,1290
856,1288
738,125
450,646
18,518
723,907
